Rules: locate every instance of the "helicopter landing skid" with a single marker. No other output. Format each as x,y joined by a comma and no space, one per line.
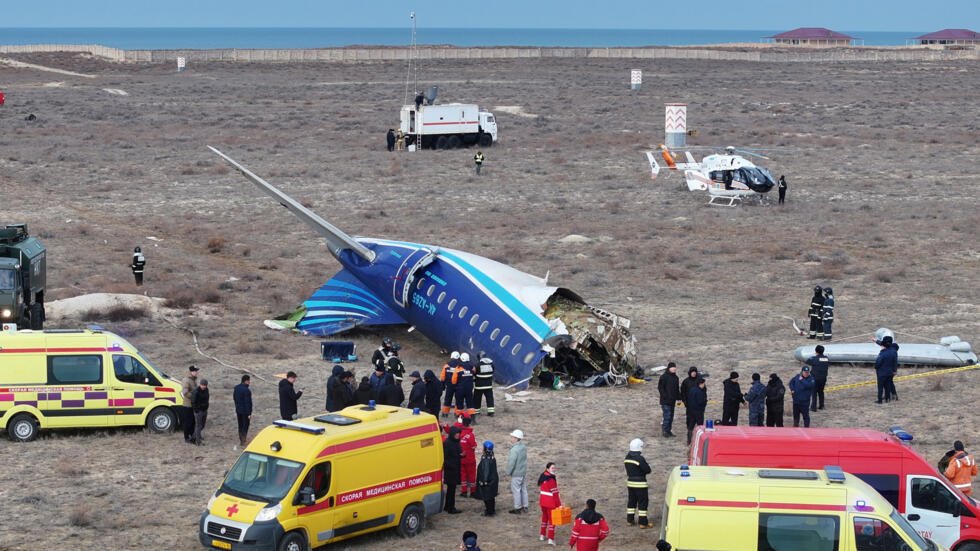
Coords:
733,200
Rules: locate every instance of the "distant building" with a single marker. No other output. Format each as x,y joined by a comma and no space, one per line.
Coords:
813,36
950,36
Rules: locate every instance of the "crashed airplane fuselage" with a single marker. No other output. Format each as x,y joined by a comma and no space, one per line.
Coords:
459,300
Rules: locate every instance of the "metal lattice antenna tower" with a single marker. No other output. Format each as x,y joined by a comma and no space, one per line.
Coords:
413,65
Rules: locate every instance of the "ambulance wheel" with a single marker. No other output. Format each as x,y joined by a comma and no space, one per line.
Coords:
412,522
161,420
453,142
293,541
442,142
22,428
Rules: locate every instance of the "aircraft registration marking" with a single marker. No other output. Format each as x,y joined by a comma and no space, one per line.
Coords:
423,304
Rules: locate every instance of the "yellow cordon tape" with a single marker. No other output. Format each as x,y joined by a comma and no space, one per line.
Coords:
906,377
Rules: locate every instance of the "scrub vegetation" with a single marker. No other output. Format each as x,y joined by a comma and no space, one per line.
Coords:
882,205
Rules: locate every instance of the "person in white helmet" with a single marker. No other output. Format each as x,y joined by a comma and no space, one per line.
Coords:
463,381
517,469
446,377
637,488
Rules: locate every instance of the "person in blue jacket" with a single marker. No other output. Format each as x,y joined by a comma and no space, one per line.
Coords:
886,365
801,386
756,397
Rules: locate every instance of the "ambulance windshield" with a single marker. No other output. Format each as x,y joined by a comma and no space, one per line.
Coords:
910,532
261,478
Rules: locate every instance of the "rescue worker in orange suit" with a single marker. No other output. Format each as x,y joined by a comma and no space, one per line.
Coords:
637,489
467,441
961,469
548,499
589,529
816,314
446,377
483,386
463,381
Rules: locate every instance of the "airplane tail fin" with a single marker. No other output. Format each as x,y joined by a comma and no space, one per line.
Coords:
336,239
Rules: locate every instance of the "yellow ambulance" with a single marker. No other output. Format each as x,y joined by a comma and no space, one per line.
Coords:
738,508
80,378
304,483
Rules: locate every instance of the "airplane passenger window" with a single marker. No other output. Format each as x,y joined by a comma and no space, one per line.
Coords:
421,282
483,326
494,333
504,341
517,348
462,311
474,319
528,357
452,305
432,288
442,297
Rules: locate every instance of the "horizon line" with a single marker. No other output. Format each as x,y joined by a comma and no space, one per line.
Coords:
441,28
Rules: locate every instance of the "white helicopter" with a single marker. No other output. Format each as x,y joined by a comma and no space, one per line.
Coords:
728,178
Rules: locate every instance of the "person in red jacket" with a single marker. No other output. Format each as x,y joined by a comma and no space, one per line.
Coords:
589,529
467,441
549,499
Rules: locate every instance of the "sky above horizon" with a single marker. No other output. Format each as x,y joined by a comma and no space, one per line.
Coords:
865,15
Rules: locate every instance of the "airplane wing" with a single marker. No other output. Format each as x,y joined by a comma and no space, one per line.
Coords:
341,304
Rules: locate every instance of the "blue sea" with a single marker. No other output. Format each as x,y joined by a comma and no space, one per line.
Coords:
194,38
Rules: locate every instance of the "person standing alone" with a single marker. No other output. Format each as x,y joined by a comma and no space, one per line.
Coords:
288,396
517,470
243,407
138,265
478,161
781,188
589,530
670,393
886,365
549,500
637,488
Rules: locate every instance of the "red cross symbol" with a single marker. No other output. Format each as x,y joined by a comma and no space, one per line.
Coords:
233,509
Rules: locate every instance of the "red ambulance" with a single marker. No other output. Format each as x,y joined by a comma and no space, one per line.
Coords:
925,497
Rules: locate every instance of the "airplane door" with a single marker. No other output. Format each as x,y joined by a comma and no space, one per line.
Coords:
402,285
930,507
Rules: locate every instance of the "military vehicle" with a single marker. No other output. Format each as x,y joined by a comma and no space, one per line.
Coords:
22,274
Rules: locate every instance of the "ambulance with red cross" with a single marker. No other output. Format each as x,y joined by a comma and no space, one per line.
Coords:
80,378
305,483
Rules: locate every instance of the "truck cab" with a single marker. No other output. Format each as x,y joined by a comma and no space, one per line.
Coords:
22,277
933,506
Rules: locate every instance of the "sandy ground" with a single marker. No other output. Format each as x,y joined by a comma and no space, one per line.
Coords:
882,206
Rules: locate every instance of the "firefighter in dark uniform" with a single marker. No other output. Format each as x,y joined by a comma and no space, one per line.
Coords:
637,488
816,314
827,313
483,386
139,262
463,381
386,351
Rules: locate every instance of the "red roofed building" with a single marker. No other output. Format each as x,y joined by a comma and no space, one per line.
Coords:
950,36
812,36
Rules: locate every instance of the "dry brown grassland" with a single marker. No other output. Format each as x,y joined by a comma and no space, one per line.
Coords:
882,205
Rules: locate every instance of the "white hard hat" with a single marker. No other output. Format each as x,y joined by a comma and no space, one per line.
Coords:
518,434
636,445
464,357
454,355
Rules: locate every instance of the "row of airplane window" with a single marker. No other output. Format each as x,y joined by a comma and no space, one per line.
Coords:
474,319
